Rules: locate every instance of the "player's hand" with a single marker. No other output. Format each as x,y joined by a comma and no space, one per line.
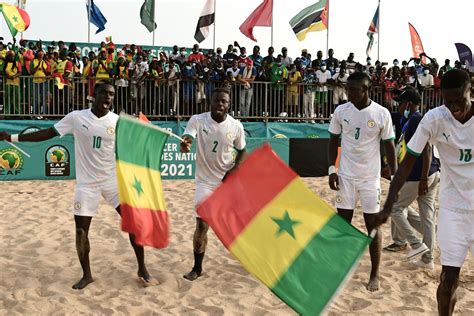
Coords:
386,173
382,216
4,136
334,181
423,187
185,145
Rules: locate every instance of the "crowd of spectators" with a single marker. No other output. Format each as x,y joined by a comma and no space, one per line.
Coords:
55,79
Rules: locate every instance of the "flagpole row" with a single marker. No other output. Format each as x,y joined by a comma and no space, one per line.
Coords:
214,39
89,22
153,41
378,36
271,40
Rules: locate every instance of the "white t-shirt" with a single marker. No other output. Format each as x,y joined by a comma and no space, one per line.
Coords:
338,78
426,80
323,77
215,143
455,144
361,134
235,72
94,144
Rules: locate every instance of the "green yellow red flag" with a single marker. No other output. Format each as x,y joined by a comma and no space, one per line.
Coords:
139,147
17,19
283,233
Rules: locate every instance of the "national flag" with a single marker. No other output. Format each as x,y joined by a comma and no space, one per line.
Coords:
17,19
282,233
142,117
108,38
311,19
206,19
261,16
373,28
147,15
139,147
416,44
96,17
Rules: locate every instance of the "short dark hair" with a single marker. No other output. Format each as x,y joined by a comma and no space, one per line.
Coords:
359,76
222,90
100,86
454,79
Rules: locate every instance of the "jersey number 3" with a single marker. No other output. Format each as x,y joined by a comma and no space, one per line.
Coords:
96,142
357,134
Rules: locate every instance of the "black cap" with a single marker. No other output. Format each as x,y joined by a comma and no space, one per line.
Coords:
408,94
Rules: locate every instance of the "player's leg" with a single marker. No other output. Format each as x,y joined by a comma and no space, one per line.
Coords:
446,293
83,248
199,248
346,199
369,192
85,207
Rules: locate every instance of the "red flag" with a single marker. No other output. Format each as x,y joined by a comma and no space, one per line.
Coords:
416,44
262,16
142,117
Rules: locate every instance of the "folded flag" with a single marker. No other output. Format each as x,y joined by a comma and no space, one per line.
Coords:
96,17
282,233
373,28
311,19
147,15
17,19
139,147
261,16
206,19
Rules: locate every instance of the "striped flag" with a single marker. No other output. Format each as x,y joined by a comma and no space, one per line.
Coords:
282,233
311,19
138,152
205,20
373,28
261,16
17,19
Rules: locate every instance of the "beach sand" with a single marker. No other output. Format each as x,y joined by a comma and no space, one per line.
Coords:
38,265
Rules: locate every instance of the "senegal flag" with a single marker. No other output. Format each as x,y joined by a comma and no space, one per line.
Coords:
17,19
311,19
282,233
138,150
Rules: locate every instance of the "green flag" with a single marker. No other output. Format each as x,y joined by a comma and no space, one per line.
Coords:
147,15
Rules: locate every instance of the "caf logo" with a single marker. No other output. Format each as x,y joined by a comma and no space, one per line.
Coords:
57,161
11,162
77,206
279,136
230,136
371,123
110,130
338,199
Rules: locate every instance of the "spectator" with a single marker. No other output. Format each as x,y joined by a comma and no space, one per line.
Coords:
137,72
286,60
102,67
181,59
256,58
331,59
175,53
234,70
278,75
120,74
339,92
447,67
323,76
243,58
269,59
246,77
61,70
229,57
351,63
417,65
218,57
316,64
172,76
305,59
293,88
426,80
189,76
310,80
12,93
196,56
40,71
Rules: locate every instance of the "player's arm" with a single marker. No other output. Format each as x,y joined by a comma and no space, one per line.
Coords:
425,170
241,155
332,156
185,145
389,146
38,136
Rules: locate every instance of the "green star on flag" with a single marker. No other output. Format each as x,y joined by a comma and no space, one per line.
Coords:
285,224
137,185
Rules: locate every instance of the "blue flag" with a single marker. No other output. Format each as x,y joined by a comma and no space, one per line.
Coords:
96,17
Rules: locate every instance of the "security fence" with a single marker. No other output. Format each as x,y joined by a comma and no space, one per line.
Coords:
176,100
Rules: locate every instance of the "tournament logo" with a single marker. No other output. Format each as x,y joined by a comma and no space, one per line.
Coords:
110,130
77,206
57,161
338,199
279,136
30,129
230,136
371,123
11,162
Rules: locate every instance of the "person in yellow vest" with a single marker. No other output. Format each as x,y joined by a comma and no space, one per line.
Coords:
3,57
121,77
12,93
61,72
102,69
293,89
40,70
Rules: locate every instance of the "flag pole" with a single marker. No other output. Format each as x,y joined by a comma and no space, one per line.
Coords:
271,40
327,33
153,41
378,36
89,22
214,39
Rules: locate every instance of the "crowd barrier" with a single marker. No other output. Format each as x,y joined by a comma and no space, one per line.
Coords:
179,100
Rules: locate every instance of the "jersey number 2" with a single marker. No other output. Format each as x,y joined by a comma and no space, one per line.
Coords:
96,142
214,149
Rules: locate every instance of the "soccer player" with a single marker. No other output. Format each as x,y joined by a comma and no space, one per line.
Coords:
450,128
94,149
217,134
362,124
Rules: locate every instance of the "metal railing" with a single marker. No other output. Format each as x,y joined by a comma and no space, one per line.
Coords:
166,100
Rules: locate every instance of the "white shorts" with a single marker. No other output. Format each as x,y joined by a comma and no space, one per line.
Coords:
87,197
350,191
202,192
455,236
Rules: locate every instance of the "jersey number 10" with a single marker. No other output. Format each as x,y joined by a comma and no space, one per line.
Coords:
96,142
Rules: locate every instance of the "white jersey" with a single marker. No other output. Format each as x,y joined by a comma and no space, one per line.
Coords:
94,144
215,143
455,144
361,132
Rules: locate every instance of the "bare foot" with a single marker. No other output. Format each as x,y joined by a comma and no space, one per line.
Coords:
373,284
82,283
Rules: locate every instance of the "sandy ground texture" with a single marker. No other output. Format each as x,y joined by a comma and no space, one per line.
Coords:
38,265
